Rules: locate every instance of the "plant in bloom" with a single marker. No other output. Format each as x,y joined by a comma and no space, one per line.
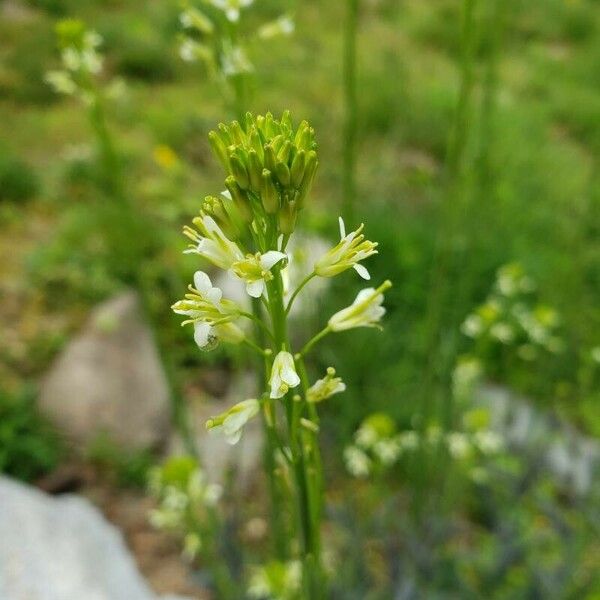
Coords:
214,34
270,166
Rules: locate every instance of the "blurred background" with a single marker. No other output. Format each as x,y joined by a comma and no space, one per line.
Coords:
462,460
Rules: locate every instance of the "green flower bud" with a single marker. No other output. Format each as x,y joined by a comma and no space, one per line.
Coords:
286,120
297,170
239,171
249,120
307,180
255,170
257,143
225,135
270,130
282,172
237,133
300,132
270,158
219,149
286,217
269,193
284,153
239,198
277,142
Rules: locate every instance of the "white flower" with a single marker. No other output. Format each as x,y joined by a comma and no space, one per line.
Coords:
409,440
503,333
366,436
211,315
61,82
235,61
232,422
231,8
458,444
357,462
472,326
348,253
191,546
284,25
255,270
211,243
365,311
388,450
283,375
488,442
326,387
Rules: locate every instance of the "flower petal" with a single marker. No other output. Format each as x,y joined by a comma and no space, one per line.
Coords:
269,259
202,334
362,271
255,288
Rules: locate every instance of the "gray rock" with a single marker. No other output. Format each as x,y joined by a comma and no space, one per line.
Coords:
109,380
61,548
569,456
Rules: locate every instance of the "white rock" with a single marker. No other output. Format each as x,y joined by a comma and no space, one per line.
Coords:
109,380
61,548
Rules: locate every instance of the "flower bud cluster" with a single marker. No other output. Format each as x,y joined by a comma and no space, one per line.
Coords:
271,166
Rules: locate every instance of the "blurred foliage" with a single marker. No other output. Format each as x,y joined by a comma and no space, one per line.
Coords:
29,447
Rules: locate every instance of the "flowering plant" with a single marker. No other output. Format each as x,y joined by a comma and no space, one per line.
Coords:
270,167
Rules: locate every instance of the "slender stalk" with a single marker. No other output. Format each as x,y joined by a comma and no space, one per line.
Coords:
298,290
351,111
306,491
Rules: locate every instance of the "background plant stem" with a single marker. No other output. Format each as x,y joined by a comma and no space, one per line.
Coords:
351,112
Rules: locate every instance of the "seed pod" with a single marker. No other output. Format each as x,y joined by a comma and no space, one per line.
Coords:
254,170
297,170
219,149
239,171
282,172
239,198
268,193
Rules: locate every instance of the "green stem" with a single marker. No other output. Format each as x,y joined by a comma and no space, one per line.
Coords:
306,491
351,108
297,291
313,341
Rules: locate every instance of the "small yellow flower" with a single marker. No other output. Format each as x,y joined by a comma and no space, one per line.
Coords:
165,157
